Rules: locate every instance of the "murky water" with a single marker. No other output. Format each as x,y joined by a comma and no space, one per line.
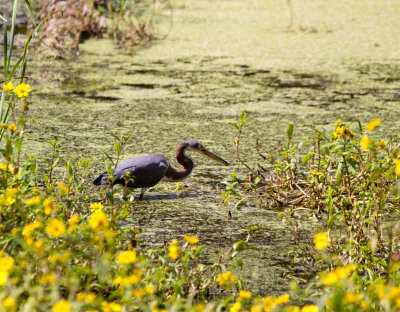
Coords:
221,58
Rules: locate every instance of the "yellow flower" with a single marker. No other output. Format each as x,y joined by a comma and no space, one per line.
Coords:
117,280
149,289
96,207
138,293
62,306
109,233
343,131
225,279
80,296
380,291
127,257
282,299
7,167
8,86
236,307
363,304
173,249
365,142
110,307
397,166
255,309
321,240
310,308
3,277
73,221
340,272
48,206
244,294
7,201
47,279
39,247
371,125
63,188
12,127
191,239
98,221
268,303
337,122
55,228
27,230
10,304
315,173
91,297
6,263
394,293
351,297
34,201
381,144
22,90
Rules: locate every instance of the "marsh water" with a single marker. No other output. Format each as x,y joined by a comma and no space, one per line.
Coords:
339,61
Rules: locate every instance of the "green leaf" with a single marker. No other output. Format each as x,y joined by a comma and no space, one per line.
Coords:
239,262
240,202
307,158
331,221
231,188
233,124
18,144
240,246
108,156
8,149
339,177
242,119
198,250
69,169
360,128
329,202
289,132
118,147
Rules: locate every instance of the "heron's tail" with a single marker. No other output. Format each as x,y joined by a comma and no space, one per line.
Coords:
102,179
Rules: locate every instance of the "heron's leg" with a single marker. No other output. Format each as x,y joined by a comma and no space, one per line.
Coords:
142,190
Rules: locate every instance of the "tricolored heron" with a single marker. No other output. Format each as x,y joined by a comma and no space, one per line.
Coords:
147,170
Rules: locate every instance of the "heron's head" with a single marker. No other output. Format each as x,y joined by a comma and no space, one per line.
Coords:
196,146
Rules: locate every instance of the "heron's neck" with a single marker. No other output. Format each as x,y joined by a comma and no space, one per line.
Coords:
187,163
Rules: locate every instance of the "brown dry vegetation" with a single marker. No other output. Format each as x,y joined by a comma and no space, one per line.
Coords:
69,22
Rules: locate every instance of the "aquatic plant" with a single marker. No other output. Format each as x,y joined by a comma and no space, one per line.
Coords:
13,87
351,180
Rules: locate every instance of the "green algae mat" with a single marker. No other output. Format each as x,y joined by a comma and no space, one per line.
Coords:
331,60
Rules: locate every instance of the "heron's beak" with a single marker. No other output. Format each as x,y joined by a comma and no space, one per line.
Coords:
213,156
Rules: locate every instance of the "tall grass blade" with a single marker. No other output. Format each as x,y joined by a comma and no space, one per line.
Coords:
14,16
3,98
5,41
28,4
16,67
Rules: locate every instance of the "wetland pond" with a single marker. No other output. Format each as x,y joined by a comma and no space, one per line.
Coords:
191,85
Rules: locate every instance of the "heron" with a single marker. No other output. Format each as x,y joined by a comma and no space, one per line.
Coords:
147,170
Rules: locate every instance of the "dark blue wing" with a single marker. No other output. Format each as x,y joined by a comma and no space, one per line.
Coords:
144,171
